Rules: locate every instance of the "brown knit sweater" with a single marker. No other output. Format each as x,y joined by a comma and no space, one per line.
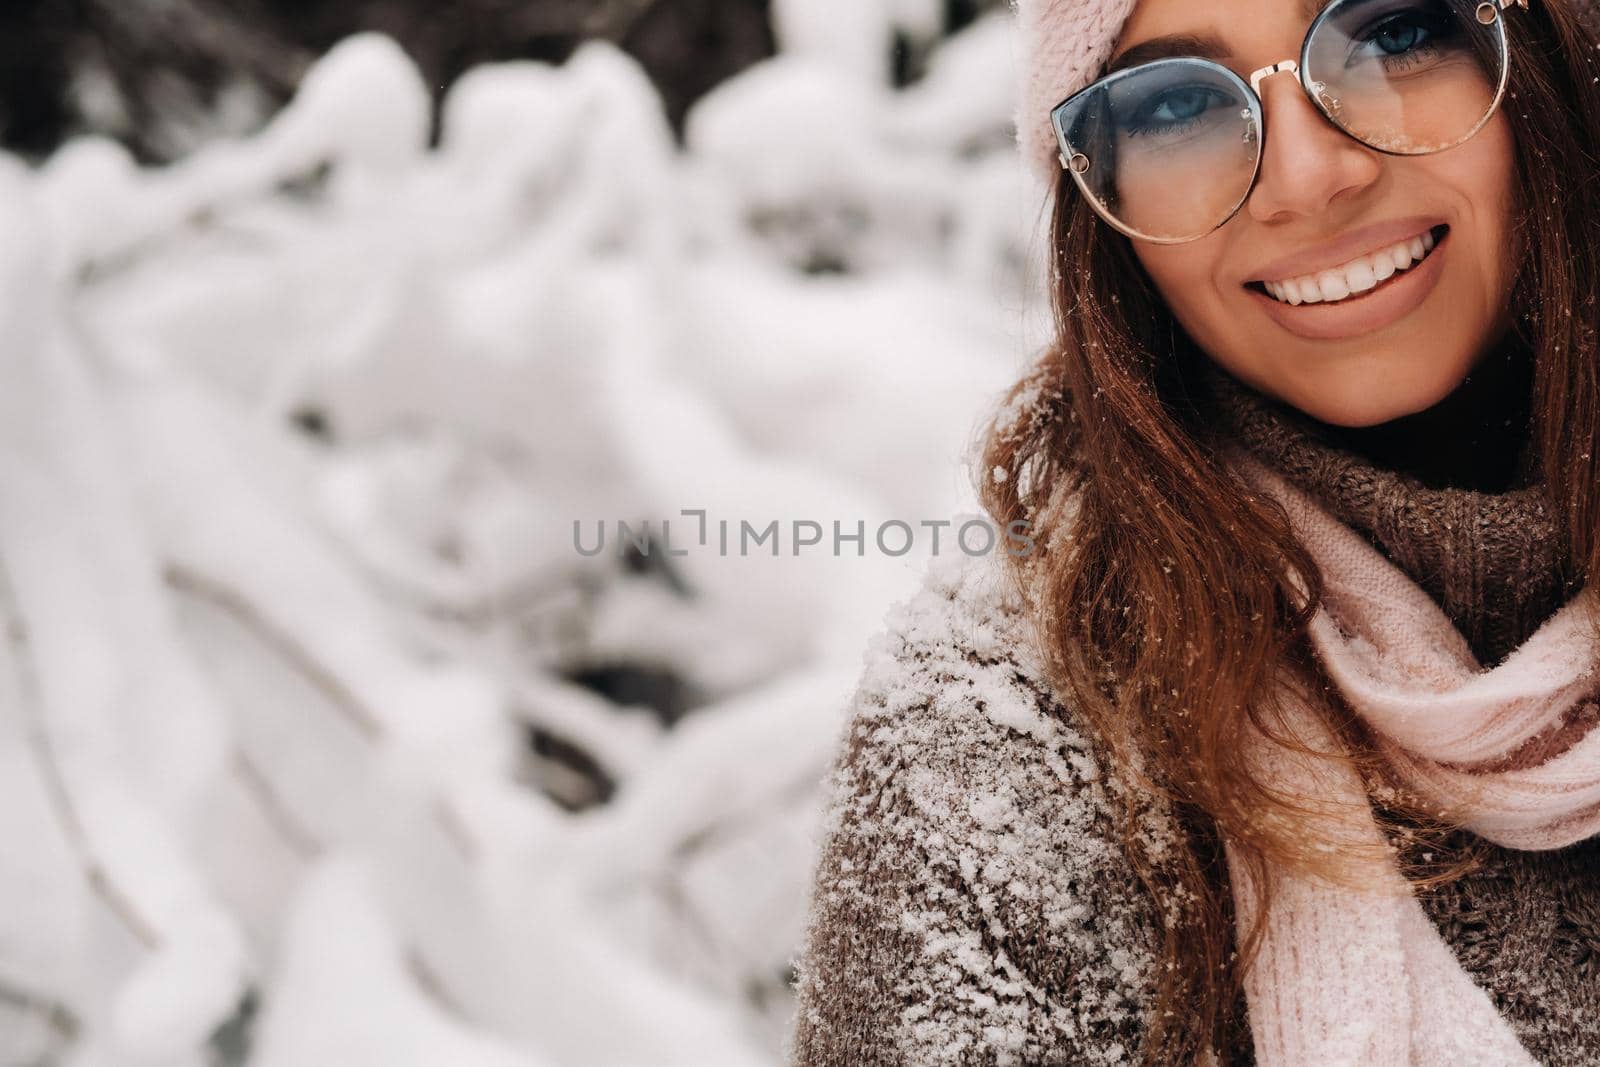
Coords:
971,903
1491,559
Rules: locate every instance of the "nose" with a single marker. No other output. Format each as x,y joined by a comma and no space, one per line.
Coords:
1305,162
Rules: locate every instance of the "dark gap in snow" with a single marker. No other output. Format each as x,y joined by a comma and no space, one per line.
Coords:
905,64
33,57
661,689
313,422
654,562
822,261
566,773
959,14
310,185
688,47
230,1043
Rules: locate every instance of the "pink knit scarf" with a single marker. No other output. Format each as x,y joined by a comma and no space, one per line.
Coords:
1362,977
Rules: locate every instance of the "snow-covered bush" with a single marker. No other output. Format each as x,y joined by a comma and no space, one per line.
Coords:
322,742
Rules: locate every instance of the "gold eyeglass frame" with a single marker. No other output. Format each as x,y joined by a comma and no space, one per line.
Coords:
1076,163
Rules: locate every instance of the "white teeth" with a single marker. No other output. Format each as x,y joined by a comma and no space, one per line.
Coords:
1361,275
1333,285
1357,276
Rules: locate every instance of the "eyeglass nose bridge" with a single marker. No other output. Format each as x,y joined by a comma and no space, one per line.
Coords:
1286,65
1329,102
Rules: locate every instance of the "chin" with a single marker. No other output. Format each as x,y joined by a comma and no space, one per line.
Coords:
1359,400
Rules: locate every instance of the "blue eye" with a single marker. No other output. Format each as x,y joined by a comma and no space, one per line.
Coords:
1398,36
1173,110
1400,40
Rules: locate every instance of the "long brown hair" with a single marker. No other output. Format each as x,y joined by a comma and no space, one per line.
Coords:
1164,602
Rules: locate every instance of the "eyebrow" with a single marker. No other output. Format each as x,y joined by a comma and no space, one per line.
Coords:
1204,45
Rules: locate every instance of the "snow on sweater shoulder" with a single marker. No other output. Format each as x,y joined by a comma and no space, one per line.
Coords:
972,902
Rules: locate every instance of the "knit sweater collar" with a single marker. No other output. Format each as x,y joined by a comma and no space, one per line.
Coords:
1490,559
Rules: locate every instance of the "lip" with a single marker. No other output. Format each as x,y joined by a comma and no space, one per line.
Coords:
1373,310
1366,240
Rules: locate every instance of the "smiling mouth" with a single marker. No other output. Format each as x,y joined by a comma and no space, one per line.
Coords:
1437,235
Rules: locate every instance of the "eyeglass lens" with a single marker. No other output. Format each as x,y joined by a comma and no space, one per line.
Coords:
1172,147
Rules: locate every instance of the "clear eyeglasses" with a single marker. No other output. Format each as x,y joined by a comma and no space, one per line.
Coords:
1168,151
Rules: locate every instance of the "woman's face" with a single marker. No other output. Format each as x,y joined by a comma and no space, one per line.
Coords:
1360,365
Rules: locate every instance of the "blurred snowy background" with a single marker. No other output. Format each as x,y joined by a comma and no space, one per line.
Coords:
322,746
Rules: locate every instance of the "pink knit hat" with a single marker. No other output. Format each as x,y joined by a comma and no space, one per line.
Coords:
1063,44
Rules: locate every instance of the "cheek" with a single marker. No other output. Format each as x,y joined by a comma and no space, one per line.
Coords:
1185,275
1183,188
1501,177
1494,164
1482,173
